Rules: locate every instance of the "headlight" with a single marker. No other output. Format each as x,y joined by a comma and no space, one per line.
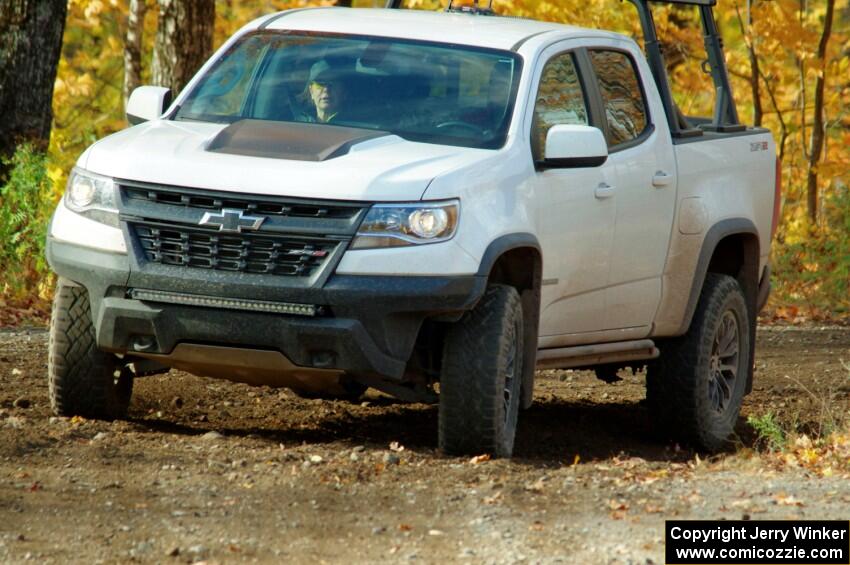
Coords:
395,225
92,196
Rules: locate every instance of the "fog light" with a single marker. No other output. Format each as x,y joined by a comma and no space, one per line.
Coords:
323,359
143,343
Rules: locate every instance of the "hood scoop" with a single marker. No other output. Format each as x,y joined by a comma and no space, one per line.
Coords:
289,140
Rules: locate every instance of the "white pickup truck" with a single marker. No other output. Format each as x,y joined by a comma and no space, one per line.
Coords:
429,204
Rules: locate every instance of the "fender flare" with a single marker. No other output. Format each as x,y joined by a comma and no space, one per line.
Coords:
503,244
720,230
530,302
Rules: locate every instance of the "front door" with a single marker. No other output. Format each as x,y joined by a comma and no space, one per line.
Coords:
576,212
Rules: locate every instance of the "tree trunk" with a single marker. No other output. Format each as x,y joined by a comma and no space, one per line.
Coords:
755,88
30,44
758,113
780,115
184,38
133,48
818,130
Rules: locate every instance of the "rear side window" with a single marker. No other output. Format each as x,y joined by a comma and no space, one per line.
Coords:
560,100
622,95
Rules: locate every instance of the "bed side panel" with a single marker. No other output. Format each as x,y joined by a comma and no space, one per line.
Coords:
730,178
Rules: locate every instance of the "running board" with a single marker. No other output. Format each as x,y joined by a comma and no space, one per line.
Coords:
586,355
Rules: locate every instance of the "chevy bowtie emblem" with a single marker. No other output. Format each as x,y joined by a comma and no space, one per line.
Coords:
232,220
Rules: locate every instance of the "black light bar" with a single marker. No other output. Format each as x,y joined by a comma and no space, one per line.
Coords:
226,303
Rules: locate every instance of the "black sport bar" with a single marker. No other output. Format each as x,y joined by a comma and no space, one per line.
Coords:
725,115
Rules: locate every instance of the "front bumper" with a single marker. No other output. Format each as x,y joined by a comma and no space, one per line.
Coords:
369,327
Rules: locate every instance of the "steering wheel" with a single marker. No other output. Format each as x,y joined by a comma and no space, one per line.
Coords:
458,124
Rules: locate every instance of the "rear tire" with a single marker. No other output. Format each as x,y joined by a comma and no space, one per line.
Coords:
482,377
695,388
82,380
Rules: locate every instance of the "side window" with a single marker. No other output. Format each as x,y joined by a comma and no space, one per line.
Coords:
625,107
560,100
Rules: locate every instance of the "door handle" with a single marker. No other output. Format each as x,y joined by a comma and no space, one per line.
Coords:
661,179
603,191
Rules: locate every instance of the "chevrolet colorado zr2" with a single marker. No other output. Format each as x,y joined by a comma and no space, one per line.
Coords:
430,204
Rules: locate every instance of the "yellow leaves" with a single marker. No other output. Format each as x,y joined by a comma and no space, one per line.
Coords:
536,486
617,505
796,229
783,499
826,457
114,43
55,174
78,86
93,9
618,509
808,456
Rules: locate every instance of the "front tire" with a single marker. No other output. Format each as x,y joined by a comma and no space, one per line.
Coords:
82,380
482,377
695,388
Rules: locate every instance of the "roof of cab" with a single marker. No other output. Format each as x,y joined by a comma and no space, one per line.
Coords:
459,28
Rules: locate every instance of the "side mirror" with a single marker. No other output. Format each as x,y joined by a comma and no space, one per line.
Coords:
147,103
575,146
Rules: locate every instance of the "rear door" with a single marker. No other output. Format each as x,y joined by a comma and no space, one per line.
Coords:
641,152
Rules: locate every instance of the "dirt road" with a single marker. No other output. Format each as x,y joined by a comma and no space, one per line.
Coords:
208,470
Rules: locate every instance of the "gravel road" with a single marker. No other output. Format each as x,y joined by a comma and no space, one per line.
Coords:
211,471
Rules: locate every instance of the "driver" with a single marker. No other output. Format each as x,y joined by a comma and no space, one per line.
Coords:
326,94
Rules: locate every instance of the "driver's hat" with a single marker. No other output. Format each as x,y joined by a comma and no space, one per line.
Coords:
323,72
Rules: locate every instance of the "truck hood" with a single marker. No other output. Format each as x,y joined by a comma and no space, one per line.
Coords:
386,168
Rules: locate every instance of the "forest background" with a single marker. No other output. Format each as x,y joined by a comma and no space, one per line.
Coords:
789,61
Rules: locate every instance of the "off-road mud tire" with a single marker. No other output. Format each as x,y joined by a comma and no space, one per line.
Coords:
480,352
82,380
678,382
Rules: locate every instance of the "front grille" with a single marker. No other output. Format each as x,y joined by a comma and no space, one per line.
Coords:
247,253
255,204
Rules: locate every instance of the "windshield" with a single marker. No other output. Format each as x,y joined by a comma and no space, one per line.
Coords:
429,92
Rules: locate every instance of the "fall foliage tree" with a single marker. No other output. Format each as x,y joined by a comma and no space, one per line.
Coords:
133,47
30,43
184,40
817,139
